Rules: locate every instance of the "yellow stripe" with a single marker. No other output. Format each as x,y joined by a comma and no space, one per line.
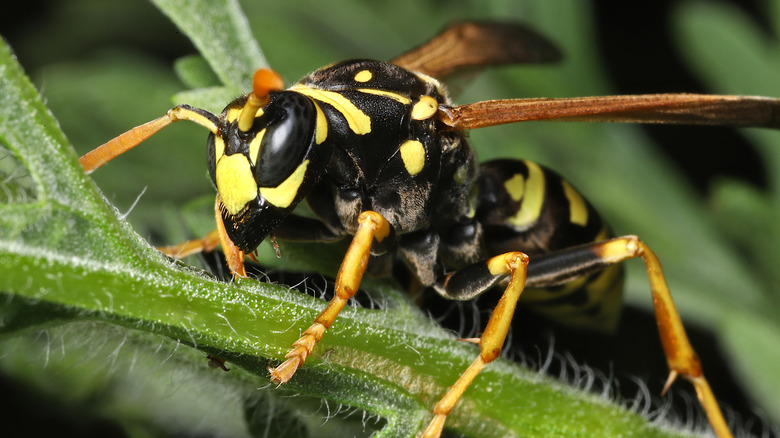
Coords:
283,195
533,197
578,210
322,126
357,120
395,96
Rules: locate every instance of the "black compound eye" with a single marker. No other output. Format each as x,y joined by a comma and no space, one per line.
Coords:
290,123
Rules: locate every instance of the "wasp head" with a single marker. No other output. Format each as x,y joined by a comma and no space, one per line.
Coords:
263,171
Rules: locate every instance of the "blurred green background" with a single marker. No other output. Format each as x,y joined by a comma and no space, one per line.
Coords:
706,199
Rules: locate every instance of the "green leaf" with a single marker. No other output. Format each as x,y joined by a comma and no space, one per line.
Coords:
87,298
221,35
195,72
68,258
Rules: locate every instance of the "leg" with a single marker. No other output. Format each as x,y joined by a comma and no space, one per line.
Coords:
294,228
565,265
371,226
233,255
492,339
209,242
680,356
561,267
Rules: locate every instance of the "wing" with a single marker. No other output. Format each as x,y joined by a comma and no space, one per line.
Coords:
690,109
470,45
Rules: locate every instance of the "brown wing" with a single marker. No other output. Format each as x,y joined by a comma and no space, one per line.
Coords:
469,45
691,109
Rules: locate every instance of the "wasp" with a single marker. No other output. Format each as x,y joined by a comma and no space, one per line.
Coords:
380,154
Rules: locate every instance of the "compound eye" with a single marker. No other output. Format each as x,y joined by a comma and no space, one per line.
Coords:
290,125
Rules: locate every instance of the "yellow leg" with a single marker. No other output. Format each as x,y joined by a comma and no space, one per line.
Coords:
371,226
233,255
680,356
491,341
209,242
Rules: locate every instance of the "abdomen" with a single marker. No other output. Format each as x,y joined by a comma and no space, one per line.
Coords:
525,207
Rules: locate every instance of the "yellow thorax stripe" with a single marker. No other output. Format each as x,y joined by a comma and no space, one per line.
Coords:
395,96
321,127
357,120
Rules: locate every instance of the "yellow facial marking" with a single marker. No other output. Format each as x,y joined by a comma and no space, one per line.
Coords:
363,76
235,182
254,146
322,126
219,148
425,108
284,194
515,187
232,114
357,120
533,197
578,210
395,96
413,155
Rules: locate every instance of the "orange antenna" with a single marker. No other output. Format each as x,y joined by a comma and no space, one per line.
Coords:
132,138
263,82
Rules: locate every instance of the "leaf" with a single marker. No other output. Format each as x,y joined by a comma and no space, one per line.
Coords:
222,36
73,268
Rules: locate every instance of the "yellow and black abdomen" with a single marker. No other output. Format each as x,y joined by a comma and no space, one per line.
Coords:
523,206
